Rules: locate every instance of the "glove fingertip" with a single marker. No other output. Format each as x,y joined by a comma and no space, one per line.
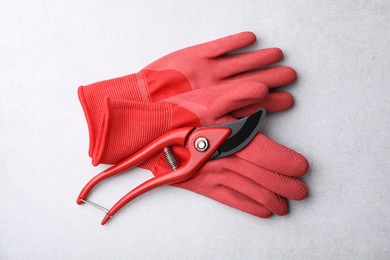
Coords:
281,207
301,193
290,74
250,36
277,53
258,91
278,101
301,165
287,99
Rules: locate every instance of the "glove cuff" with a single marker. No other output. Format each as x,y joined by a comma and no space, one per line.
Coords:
132,87
127,126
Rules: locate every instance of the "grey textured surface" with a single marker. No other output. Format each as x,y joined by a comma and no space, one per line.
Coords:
340,122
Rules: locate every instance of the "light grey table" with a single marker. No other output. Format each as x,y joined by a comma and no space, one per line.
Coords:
340,122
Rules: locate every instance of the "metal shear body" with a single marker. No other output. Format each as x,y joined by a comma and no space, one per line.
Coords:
203,144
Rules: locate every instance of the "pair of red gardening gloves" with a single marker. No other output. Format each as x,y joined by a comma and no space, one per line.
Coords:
202,85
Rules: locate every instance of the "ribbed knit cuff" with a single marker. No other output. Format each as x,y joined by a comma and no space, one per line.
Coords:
132,87
128,126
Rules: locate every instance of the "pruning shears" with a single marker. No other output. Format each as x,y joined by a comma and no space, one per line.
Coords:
202,143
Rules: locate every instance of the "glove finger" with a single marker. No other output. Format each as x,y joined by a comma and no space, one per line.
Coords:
214,102
226,44
241,202
273,102
286,186
232,97
275,157
252,191
277,101
237,63
201,184
272,77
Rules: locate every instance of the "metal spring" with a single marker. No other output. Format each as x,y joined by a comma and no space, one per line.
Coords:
170,158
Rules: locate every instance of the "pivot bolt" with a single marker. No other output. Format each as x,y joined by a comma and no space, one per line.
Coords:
201,144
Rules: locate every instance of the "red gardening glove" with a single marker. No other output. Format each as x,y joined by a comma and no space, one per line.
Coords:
130,125
255,180
195,67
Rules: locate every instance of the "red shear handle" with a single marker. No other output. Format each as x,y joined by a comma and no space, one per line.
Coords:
215,137
175,137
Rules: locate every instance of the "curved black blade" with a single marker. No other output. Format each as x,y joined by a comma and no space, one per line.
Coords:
243,132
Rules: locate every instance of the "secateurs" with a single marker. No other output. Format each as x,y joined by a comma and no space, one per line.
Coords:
202,143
